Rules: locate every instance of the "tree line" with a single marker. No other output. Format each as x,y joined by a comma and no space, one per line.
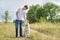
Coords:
37,13
47,12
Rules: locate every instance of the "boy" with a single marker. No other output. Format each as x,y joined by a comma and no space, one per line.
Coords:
20,15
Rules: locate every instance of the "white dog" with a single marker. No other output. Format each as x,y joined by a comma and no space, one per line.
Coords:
26,29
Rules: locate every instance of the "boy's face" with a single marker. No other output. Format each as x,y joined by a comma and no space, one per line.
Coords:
25,8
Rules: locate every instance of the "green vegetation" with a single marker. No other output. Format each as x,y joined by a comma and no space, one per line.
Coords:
31,15
47,10
6,17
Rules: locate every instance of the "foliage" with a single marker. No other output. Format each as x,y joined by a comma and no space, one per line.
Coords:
42,20
36,12
6,16
41,13
51,9
56,20
14,21
31,15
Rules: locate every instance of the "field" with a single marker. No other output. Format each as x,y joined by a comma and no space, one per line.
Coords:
39,31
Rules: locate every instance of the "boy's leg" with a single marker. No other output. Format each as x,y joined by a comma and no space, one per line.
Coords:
20,28
16,24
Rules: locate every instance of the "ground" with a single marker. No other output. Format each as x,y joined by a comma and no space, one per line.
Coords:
39,31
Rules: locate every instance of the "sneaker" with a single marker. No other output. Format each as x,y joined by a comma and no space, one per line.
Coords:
16,36
21,36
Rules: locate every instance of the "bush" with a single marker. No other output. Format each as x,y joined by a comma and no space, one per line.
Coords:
42,20
55,20
14,21
31,15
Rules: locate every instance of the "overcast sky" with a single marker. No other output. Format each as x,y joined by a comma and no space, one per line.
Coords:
13,5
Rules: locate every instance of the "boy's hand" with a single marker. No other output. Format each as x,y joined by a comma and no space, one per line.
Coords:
17,18
17,15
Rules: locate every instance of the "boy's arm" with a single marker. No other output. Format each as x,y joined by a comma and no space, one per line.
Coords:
17,14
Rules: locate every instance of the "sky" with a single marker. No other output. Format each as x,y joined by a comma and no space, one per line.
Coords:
13,5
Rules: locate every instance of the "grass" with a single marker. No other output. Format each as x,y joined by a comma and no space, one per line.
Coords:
48,29
39,31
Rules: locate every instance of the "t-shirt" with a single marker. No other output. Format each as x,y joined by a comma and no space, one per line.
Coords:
21,14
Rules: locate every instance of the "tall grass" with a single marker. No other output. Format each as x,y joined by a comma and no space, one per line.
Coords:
48,29
39,31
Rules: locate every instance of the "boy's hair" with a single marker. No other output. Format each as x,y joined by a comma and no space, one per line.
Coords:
26,6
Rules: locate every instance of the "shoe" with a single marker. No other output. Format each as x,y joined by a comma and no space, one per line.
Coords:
16,36
21,36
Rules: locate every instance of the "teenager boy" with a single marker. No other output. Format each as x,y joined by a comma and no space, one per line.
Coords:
20,15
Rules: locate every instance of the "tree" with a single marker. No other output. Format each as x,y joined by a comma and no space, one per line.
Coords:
31,15
37,12
51,9
41,13
6,17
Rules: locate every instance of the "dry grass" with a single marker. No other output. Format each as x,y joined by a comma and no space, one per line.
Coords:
39,31
48,29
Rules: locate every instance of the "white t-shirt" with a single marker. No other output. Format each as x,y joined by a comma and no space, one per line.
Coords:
21,14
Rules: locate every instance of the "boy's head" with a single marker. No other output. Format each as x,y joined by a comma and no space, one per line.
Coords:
25,7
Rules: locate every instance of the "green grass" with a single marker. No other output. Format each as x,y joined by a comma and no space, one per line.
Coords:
39,31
